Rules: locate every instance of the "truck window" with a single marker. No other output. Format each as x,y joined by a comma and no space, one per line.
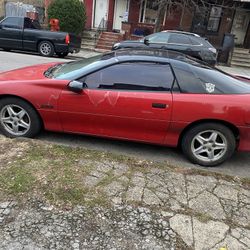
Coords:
12,22
31,24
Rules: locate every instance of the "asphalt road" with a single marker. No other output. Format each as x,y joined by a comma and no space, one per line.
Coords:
239,165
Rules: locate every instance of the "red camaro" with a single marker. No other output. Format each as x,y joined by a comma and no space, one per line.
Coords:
152,96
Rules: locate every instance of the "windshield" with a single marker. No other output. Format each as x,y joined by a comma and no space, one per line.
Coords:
63,71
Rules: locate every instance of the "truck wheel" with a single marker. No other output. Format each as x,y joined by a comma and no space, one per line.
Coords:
18,118
208,144
46,48
62,54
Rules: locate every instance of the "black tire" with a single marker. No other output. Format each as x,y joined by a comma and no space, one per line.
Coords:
28,123
7,50
62,54
208,140
46,48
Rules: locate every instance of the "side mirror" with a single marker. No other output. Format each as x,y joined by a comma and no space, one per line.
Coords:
146,41
76,86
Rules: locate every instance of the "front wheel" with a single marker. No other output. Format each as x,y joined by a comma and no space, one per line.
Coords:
208,144
18,118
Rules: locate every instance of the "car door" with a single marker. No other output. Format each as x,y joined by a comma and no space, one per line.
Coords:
11,33
129,100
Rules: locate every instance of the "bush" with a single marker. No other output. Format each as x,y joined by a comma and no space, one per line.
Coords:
70,13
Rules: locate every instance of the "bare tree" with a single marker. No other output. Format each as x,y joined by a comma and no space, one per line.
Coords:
166,6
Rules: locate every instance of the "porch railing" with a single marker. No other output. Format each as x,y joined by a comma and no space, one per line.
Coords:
101,27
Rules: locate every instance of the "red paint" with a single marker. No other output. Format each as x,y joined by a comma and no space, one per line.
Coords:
89,13
127,115
111,9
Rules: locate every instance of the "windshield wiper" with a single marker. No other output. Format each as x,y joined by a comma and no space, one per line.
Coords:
49,72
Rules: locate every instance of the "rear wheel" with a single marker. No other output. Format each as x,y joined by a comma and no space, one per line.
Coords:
46,48
18,118
208,144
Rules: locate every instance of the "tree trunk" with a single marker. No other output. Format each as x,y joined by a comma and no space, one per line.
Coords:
160,16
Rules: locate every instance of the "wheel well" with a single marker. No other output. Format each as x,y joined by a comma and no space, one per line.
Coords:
232,127
18,97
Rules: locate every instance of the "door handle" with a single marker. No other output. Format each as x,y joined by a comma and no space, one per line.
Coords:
159,105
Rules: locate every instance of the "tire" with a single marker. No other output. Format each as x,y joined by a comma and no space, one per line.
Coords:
62,54
6,49
46,48
208,144
18,118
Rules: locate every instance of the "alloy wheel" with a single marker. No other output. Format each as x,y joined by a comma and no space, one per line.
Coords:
45,49
209,145
15,120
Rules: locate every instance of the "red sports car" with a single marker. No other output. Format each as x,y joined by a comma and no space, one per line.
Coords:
152,96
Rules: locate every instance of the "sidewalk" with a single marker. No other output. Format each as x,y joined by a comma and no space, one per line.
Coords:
58,197
240,71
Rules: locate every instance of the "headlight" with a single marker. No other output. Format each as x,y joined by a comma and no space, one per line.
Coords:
116,45
213,50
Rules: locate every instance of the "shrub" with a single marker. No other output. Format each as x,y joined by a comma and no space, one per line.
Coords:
70,13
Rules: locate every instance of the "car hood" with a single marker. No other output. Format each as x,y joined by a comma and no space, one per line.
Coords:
28,73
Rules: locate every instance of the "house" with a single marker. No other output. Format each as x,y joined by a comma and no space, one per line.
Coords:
139,17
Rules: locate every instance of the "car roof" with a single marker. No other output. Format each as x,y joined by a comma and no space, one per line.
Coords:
149,54
181,32
144,52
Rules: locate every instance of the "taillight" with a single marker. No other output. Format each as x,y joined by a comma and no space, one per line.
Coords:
67,39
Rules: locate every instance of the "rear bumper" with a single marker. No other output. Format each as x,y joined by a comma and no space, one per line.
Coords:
65,48
244,144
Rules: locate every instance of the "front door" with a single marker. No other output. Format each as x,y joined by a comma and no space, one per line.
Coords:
11,33
120,13
240,25
128,100
101,12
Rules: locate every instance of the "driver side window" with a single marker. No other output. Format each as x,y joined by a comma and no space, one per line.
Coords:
139,76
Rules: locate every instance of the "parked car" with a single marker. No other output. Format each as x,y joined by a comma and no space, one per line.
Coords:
22,33
188,43
154,96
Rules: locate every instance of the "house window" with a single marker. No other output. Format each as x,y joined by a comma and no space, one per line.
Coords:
214,19
149,11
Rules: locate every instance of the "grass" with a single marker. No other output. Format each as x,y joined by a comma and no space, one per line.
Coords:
57,173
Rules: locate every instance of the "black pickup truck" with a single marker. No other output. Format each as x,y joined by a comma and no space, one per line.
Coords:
23,33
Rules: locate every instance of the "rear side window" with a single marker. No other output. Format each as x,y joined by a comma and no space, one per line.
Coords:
179,39
12,22
198,78
138,76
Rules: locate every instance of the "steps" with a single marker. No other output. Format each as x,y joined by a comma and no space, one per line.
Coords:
241,58
107,39
88,40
